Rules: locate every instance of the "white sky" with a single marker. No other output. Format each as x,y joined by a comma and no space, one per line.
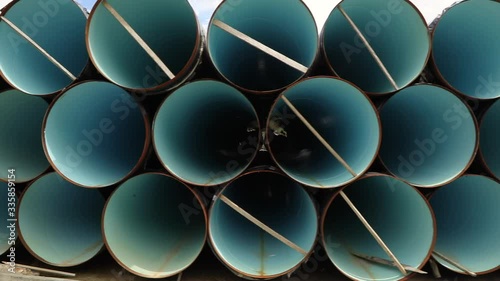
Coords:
320,8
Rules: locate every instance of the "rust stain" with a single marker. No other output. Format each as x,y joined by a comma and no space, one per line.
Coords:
88,250
262,254
170,256
360,262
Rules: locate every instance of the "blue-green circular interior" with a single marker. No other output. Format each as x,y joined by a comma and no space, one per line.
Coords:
58,26
60,222
342,115
21,118
399,214
490,139
292,33
429,135
6,240
201,132
465,48
395,31
95,134
169,28
153,225
279,203
467,216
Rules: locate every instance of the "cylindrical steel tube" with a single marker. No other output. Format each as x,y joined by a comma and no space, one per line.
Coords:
206,133
398,212
490,140
342,114
21,118
95,134
395,31
56,26
8,234
59,223
154,225
430,136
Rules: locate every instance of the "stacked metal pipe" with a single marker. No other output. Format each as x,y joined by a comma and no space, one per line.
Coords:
115,124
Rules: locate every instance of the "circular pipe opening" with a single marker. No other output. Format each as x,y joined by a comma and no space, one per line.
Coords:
293,34
21,118
56,26
164,210
342,115
60,223
169,28
206,133
430,136
8,199
467,216
95,134
465,48
395,30
279,203
490,138
398,213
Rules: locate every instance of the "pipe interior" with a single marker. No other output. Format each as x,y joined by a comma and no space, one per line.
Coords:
429,135
465,48
60,222
490,138
278,202
201,132
95,134
59,28
395,31
148,226
398,213
291,31
21,118
170,29
467,216
342,115
4,216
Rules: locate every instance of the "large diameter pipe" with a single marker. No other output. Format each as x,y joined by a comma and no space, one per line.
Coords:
430,136
465,48
58,27
169,29
276,201
467,216
21,118
59,222
285,26
8,201
490,139
95,134
397,34
206,133
398,212
154,225
341,114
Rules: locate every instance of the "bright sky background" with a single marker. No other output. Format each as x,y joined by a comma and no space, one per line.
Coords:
320,8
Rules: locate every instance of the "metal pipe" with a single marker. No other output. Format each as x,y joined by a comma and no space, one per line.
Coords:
490,138
44,47
220,115
465,49
264,53
21,118
133,43
430,136
8,235
400,214
467,216
262,225
59,222
345,118
95,134
154,225
380,45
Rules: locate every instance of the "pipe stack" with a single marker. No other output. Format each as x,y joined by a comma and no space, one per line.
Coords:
112,135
